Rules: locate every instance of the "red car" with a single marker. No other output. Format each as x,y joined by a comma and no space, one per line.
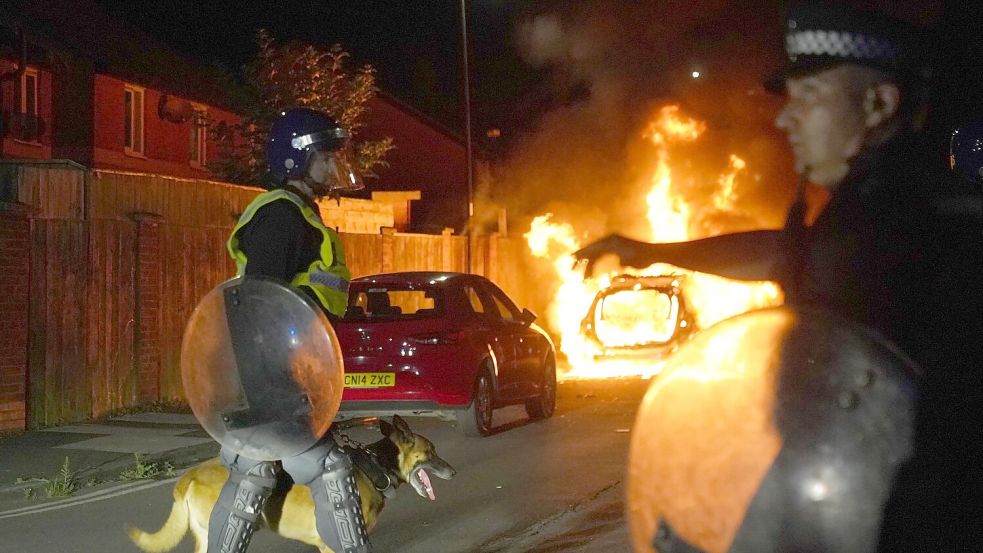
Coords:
446,344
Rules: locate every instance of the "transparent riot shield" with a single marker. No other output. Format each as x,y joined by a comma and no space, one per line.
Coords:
262,368
774,431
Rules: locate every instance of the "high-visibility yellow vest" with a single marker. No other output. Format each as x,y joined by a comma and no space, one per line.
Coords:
327,276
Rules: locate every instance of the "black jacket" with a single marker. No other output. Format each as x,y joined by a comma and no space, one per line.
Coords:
887,253
279,243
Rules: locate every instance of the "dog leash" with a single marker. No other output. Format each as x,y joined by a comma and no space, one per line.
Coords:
362,456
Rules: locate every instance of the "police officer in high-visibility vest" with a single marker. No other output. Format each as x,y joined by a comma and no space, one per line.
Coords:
280,235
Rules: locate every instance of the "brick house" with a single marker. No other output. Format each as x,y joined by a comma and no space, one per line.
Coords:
106,95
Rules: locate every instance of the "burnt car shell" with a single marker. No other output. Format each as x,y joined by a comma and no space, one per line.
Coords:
654,305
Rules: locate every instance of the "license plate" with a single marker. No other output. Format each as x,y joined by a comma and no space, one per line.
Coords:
370,380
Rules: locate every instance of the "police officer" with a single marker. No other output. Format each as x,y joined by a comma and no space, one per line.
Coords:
881,253
280,235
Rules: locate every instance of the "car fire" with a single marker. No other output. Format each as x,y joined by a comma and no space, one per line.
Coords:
624,322
638,317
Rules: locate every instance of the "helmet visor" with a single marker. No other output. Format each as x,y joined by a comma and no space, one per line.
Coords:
338,174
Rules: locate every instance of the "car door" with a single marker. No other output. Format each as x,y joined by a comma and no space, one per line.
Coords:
523,362
489,328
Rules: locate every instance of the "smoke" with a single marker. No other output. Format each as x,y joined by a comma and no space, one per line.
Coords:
611,64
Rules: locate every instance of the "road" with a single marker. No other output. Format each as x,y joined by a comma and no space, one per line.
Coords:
515,490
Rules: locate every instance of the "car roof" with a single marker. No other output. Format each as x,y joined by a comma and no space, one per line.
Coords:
412,277
622,282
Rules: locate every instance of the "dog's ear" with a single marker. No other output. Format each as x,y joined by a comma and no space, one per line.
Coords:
386,428
401,425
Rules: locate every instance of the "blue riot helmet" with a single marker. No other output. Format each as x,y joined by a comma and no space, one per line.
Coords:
302,136
966,151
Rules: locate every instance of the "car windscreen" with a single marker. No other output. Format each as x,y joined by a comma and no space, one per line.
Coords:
394,303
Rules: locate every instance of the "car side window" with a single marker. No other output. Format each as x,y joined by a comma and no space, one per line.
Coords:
504,310
503,305
474,300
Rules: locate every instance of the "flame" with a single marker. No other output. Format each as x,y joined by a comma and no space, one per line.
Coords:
723,196
671,218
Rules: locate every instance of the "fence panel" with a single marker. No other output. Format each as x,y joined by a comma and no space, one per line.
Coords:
110,324
60,381
417,252
194,261
363,253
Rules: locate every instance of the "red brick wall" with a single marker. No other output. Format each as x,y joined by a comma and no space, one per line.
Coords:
15,230
166,149
148,308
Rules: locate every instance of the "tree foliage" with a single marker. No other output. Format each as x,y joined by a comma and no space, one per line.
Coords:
295,75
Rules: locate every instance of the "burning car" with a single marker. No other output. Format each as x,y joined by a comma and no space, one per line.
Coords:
638,317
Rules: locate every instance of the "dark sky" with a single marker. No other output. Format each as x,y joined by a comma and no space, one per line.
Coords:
415,45
606,44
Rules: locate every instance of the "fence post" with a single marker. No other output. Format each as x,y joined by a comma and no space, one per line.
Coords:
148,306
447,249
388,235
491,262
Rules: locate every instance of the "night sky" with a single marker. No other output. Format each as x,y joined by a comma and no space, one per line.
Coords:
416,45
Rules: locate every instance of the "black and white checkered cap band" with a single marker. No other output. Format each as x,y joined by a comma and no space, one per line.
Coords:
839,44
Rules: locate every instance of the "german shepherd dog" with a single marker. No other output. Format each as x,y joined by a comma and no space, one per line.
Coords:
405,456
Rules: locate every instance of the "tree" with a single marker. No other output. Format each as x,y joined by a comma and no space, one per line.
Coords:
295,75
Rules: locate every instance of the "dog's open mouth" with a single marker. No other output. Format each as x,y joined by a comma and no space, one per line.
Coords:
421,482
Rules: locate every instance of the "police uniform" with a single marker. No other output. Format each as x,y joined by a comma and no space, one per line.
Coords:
884,253
281,235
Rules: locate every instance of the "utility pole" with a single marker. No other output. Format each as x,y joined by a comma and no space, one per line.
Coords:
467,130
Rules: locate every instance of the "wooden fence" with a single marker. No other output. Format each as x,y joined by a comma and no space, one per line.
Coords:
118,262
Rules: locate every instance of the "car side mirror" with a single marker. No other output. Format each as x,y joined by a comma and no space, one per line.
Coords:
527,317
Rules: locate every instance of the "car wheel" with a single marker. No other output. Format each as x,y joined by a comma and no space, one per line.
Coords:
476,420
544,406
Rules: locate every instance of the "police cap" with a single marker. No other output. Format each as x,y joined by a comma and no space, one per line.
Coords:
821,34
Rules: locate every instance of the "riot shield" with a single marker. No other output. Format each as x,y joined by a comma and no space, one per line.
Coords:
262,368
774,431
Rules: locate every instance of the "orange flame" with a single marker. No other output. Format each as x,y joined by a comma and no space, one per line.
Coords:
670,216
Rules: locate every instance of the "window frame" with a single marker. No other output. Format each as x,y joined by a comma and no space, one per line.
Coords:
134,91
35,75
32,73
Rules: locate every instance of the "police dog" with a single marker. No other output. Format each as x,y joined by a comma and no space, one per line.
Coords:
405,456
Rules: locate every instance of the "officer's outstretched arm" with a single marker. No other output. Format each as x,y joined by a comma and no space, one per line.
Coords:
742,256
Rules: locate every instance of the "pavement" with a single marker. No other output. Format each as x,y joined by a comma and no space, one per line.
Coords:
99,453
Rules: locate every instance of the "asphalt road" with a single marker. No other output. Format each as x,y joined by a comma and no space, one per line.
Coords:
510,488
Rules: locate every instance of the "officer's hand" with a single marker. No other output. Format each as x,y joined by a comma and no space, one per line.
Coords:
627,250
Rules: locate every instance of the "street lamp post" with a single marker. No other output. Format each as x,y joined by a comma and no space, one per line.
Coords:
467,131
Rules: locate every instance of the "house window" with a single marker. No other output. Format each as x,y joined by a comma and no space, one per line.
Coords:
133,120
28,126
199,130
29,92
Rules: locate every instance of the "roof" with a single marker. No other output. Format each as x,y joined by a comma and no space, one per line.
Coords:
420,116
116,47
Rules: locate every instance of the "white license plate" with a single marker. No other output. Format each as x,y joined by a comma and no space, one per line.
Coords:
370,380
